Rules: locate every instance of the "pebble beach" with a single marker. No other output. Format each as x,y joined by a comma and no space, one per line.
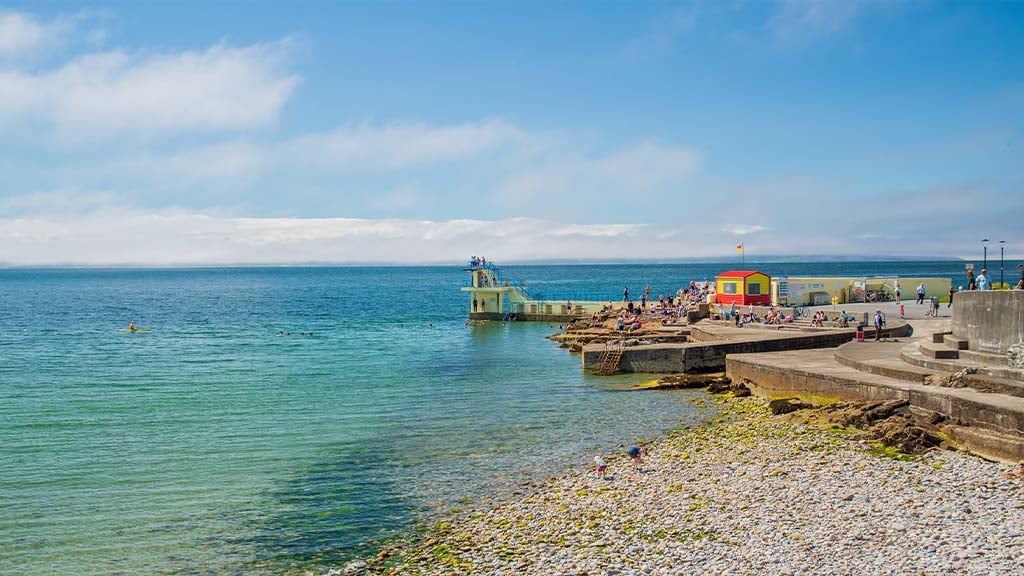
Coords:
749,493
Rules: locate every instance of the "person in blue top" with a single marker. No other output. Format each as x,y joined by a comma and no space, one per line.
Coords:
982,280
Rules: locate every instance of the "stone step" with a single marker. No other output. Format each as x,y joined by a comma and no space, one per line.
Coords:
939,351
958,343
940,337
882,359
986,358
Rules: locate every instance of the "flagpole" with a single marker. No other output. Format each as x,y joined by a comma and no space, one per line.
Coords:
743,254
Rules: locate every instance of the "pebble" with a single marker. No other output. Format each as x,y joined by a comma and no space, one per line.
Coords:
750,495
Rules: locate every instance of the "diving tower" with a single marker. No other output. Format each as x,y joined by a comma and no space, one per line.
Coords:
493,298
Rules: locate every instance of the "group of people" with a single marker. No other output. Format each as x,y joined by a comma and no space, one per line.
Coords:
818,320
636,455
775,316
694,293
477,262
628,322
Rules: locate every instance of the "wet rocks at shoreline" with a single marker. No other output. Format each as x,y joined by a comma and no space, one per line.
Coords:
751,493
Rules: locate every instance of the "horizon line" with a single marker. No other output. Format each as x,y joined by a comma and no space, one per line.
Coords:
772,259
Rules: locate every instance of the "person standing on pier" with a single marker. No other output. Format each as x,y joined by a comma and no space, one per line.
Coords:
983,283
879,322
920,293
951,292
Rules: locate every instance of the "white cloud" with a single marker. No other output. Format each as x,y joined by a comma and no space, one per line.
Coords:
116,93
797,21
178,237
665,32
632,173
62,201
400,145
23,36
743,229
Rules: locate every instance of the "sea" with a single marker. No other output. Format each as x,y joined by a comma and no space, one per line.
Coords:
288,420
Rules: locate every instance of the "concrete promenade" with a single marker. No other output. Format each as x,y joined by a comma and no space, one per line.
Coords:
988,423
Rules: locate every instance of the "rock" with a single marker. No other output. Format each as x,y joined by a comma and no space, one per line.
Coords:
957,379
1015,355
786,405
719,386
354,567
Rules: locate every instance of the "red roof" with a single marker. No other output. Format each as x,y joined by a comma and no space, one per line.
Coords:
739,273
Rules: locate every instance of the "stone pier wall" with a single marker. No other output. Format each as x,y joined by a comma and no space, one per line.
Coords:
991,320
708,353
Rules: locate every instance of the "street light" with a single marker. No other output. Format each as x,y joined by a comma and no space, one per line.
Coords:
1002,247
984,244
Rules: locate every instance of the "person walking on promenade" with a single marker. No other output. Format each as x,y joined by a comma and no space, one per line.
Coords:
899,292
951,292
972,282
1020,283
983,283
920,293
902,312
879,322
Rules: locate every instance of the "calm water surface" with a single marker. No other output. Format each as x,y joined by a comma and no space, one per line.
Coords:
214,445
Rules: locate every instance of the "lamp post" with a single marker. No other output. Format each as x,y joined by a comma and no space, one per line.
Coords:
984,247
1002,247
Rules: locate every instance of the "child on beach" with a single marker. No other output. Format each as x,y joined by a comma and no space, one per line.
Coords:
635,454
602,466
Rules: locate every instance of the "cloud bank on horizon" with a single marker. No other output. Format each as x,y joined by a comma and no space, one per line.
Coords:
363,133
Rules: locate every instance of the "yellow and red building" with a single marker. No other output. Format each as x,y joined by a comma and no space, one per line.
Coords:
743,287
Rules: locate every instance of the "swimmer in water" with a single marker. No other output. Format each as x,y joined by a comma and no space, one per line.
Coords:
131,326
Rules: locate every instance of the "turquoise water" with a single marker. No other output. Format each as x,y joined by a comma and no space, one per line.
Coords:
215,445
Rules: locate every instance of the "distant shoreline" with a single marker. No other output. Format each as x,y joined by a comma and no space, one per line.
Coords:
728,262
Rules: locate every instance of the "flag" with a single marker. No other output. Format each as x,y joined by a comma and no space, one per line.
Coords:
739,247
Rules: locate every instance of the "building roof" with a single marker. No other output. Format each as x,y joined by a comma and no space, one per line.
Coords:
739,273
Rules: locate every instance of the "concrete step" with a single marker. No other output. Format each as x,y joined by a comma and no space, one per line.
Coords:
940,337
913,355
958,343
986,358
881,358
939,351
989,423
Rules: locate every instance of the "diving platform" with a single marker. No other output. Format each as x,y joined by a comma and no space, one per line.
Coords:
492,297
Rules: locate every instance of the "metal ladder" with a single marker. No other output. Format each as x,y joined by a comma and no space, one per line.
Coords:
608,363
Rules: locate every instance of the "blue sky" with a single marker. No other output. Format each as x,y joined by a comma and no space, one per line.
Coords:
201,133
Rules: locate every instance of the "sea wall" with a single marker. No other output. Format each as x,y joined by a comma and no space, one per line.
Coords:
990,320
709,352
985,427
